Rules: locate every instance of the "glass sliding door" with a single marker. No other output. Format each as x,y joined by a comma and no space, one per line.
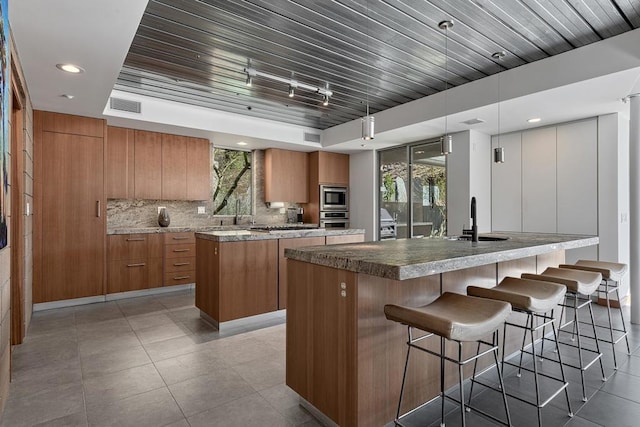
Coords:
428,191
413,191
393,178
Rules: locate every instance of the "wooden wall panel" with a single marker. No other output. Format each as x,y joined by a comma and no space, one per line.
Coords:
70,124
198,169
119,178
174,167
147,165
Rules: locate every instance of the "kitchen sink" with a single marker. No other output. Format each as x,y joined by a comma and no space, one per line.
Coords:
485,238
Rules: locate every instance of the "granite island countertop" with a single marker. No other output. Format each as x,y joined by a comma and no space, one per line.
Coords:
244,235
410,258
186,228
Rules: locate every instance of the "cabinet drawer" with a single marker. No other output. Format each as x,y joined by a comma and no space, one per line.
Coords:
127,246
127,275
179,277
183,250
179,238
180,264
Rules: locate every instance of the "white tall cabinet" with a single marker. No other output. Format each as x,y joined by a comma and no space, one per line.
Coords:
549,182
506,184
539,180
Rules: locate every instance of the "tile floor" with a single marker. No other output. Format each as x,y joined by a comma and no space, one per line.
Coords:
152,361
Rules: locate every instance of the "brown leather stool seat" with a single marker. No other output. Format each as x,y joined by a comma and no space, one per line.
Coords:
535,298
612,274
459,318
578,282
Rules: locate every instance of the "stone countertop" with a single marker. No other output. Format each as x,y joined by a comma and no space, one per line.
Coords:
244,235
180,229
410,258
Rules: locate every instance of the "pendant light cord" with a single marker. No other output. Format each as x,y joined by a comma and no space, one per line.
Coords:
446,77
368,53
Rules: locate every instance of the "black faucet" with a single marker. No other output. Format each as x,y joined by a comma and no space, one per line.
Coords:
474,220
473,231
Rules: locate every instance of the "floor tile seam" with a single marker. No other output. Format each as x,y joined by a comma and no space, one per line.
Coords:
618,397
575,416
117,371
195,414
170,392
103,403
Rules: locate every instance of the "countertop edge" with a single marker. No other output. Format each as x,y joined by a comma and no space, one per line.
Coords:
259,235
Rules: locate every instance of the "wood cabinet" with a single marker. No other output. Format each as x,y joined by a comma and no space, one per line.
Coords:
324,168
119,163
69,207
151,165
282,263
147,165
179,258
333,168
236,279
134,262
286,176
198,169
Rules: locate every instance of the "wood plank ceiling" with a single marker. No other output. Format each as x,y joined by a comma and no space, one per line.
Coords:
389,51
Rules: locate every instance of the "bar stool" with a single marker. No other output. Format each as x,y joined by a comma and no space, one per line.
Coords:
612,273
578,283
456,318
533,298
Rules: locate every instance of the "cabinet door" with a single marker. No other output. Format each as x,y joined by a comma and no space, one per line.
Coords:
539,180
174,167
198,169
73,218
333,168
286,177
282,263
119,163
147,165
578,183
506,185
346,238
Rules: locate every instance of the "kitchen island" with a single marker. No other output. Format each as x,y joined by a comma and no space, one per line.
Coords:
241,273
344,358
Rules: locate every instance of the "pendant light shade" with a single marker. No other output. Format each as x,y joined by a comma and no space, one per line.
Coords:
446,144
498,152
368,121
446,141
368,127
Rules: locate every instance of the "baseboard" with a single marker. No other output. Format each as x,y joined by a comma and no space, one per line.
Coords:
110,297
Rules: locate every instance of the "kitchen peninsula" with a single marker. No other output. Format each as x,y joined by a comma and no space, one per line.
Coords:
343,357
242,273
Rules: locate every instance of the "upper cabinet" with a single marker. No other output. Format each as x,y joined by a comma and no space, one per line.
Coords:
151,165
119,177
286,175
147,165
332,168
174,167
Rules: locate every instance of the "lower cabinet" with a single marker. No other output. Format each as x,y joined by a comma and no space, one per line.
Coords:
134,262
236,279
282,263
346,238
179,258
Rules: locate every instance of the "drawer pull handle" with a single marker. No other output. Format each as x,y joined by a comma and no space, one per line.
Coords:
142,264
180,238
137,239
181,277
181,250
178,264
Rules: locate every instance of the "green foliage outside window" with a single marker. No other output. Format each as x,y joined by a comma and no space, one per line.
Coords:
232,182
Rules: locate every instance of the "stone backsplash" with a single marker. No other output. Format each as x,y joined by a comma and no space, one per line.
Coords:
183,213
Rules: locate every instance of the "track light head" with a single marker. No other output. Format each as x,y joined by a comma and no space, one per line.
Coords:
325,100
292,91
249,80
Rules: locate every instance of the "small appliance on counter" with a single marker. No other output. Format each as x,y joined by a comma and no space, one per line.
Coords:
294,215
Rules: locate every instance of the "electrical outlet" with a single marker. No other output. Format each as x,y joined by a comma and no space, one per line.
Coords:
160,207
201,209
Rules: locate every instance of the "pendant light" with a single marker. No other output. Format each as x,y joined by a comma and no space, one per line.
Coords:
368,122
446,142
498,152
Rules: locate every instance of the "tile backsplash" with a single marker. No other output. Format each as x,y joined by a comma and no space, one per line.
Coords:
144,213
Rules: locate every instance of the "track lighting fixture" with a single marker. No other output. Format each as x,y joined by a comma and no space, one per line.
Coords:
293,84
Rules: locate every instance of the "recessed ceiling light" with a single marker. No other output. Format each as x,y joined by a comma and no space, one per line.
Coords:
66,95
534,120
70,68
242,143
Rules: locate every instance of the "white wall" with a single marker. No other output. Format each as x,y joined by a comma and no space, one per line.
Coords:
363,198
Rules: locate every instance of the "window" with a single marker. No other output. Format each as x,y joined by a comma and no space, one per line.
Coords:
232,179
413,191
